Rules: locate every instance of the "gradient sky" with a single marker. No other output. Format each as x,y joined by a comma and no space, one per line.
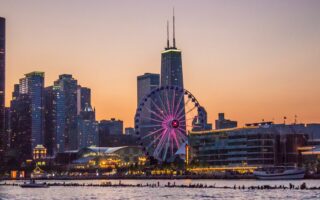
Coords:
251,59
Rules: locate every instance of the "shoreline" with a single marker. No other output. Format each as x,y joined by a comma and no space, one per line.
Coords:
163,177
290,186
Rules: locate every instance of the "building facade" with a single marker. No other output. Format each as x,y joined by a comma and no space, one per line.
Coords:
21,127
111,127
88,128
33,85
108,157
129,131
171,67
54,120
145,84
2,86
200,123
314,133
171,63
222,123
262,145
68,88
84,98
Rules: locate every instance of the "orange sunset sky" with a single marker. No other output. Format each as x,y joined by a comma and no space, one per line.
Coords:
252,60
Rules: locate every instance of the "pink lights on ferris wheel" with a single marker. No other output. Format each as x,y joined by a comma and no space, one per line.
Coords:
163,120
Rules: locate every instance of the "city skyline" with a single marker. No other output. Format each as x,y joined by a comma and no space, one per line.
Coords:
265,71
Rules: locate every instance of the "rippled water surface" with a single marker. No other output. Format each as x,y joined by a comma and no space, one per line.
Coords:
58,192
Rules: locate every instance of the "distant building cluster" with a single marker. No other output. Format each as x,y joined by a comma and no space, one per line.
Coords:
50,120
60,117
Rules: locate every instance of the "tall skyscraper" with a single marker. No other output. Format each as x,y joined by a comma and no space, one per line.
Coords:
21,127
171,70
171,63
2,85
33,86
54,120
146,83
50,122
69,86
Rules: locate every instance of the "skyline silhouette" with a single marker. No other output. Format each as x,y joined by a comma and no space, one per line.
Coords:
252,61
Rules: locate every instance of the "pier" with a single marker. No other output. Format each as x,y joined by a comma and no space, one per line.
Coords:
169,184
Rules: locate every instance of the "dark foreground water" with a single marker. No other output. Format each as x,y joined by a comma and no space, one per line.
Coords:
58,192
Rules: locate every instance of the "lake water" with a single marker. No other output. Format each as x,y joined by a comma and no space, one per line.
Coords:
58,192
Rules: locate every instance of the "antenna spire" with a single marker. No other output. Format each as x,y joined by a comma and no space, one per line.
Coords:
168,43
174,37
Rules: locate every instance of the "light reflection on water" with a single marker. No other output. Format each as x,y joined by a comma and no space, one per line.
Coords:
14,192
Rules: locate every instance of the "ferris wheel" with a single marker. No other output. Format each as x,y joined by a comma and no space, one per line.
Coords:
163,119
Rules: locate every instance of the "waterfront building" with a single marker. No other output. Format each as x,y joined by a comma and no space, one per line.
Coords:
88,128
261,144
39,156
313,131
33,85
39,152
108,157
21,127
68,87
222,123
310,157
2,86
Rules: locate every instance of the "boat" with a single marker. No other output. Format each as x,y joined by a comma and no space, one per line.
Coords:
33,184
279,173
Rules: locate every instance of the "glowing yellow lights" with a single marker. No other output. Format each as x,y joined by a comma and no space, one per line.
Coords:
171,50
220,131
240,169
187,154
142,159
39,152
13,174
306,148
35,73
311,153
163,172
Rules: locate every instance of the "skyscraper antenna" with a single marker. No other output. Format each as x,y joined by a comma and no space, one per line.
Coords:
168,43
174,37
